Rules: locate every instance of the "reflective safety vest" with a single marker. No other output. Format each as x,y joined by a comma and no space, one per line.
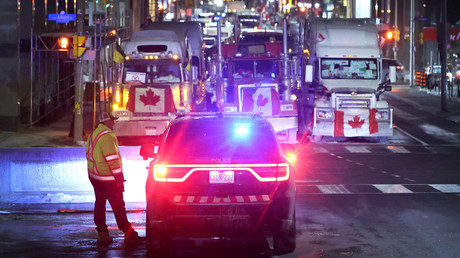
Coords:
103,155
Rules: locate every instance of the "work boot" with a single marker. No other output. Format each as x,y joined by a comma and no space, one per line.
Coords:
103,238
132,238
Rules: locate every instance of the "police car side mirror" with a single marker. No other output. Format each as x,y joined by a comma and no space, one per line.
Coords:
148,151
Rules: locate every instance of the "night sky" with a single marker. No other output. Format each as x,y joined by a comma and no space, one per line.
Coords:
453,11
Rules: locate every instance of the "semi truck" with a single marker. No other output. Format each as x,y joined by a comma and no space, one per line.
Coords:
255,78
153,85
190,34
342,81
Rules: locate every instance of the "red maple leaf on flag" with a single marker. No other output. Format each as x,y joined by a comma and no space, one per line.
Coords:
356,123
261,101
150,98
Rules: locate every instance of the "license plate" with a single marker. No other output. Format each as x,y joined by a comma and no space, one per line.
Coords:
221,177
150,131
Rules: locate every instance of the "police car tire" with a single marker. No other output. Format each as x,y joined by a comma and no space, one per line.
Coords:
156,240
284,242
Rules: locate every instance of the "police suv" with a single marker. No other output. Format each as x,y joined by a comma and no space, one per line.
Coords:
220,176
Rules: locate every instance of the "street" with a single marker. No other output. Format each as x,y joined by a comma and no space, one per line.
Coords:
233,129
357,198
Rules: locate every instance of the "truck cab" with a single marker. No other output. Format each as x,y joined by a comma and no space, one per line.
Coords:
342,79
253,80
152,86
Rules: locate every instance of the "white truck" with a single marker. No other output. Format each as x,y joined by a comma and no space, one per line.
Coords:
190,34
152,86
235,6
342,81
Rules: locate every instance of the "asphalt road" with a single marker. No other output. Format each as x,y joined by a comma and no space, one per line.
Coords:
354,199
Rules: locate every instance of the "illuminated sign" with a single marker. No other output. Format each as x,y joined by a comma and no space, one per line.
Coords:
62,17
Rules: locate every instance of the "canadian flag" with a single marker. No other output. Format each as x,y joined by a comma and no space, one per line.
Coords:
319,37
151,100
263,100
355,122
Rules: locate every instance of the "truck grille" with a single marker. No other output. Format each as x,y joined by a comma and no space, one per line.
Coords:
353,103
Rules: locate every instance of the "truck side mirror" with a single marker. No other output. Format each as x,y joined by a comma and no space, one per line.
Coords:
309,73
392,74
194,73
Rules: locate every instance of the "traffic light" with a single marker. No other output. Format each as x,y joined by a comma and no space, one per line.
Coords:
78,46
419,38
397,35
302,7
63,43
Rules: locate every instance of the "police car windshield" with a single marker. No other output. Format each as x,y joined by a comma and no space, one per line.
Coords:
215,141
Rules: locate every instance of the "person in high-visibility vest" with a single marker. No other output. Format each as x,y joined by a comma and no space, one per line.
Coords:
106,175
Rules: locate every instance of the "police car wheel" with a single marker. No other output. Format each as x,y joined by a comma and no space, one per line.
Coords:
284,242
156,238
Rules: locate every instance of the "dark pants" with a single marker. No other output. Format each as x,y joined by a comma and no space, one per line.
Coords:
114,194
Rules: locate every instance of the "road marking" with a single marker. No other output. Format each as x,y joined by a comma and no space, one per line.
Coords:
392,189
411,136
319,149
446,188
306,188
398,149
440,133
357,149
333,189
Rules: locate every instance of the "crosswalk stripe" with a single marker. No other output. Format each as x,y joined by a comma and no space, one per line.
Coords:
357,149
319,150
398,149
440,133
386,188
307,188
446,188
333,189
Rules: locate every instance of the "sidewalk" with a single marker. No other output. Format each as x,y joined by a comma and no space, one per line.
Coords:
56,134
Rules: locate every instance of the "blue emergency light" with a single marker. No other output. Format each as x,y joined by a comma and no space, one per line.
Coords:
242,130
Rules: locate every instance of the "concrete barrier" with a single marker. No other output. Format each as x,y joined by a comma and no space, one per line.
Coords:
59,175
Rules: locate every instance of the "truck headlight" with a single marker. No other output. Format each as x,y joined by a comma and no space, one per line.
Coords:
382,115
324,114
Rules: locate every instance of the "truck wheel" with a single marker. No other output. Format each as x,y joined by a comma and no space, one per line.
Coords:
284,242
